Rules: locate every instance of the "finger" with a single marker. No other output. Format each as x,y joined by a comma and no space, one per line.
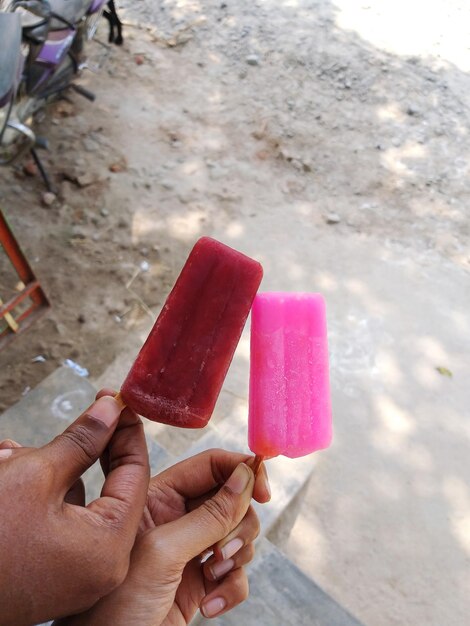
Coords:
13,453
124,492
106,391
104,460
243,534
7,447
208,470
188,536
9,443
262,490
76,494
215,570
231,591
78,447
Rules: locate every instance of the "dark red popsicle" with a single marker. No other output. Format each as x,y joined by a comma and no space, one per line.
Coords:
179,371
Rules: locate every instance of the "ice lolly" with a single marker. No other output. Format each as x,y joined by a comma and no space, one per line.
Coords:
289,403
179,371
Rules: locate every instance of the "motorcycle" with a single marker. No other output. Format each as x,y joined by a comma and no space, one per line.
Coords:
41,52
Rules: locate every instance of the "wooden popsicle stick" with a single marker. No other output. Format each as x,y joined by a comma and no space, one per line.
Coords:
257,464
120,401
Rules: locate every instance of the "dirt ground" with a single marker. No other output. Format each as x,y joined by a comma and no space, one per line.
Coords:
241,119
223,99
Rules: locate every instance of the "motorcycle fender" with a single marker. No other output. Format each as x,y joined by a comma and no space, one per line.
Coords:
11,59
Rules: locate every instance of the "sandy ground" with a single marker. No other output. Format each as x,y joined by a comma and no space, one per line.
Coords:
330,141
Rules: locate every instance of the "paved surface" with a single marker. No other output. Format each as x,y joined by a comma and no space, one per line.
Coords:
387,506
280,595
377,133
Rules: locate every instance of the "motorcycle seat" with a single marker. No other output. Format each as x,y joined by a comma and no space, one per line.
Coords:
10,36
70,10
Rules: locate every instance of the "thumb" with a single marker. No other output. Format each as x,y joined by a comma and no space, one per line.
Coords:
198,530
78,447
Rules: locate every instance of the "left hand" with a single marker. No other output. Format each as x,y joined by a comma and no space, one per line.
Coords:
59,557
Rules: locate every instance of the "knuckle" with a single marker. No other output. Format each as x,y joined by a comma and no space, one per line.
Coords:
240,587
256,526
83,441
158,544
104,572
252,522
220,511
113,576
250,552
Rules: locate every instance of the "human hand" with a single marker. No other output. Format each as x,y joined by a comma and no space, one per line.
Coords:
58,556
199,504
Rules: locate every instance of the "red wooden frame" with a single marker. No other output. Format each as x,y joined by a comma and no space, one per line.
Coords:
32,289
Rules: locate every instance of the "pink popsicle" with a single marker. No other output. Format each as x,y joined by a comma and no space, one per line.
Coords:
289,406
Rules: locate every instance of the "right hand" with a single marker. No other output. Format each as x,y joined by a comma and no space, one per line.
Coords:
200,504
59,557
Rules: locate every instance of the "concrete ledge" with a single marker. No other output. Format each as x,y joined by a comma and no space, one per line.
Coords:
48,409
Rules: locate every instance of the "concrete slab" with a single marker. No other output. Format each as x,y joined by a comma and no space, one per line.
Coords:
48,409
281,595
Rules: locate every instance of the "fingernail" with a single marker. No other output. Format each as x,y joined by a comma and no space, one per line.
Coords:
238,481
9,443
221,568
105,410
214,606
4,454
231,547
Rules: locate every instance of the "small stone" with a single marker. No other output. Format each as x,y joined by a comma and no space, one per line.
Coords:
48,198
30,168
40,358
16,189
262,155
167,184
139,59
412,110
252,59
87,179
65,109
81,318
96,237
144,251
396,141
332,218
118,166
104,212
90,145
